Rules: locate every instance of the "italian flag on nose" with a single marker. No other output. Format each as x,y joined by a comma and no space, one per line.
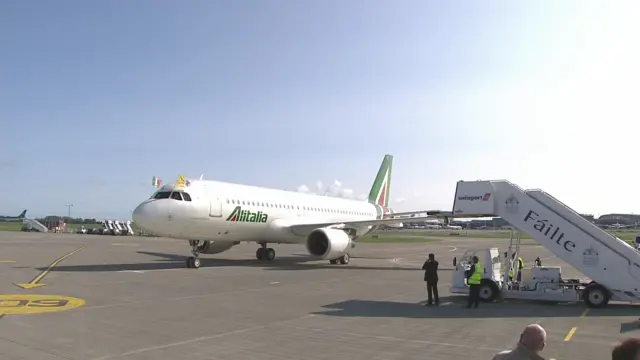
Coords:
156,182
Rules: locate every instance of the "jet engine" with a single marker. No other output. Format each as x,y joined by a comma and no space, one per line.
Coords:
211,247
328,243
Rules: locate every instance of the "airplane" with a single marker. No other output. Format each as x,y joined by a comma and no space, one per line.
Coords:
20,217
215,216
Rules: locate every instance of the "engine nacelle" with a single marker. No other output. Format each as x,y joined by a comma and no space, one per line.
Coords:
215,247
328,243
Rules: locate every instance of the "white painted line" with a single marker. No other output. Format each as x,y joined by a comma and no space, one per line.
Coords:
274,282
453,248
202,338
132,271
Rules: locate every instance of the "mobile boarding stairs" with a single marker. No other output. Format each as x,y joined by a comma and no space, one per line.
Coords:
612,265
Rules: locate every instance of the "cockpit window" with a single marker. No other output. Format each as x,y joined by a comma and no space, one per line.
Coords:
176,195
162,195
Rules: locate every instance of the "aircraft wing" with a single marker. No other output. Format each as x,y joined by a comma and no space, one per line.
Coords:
430,213
300,228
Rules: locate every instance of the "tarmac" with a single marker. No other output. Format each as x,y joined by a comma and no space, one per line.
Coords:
133,298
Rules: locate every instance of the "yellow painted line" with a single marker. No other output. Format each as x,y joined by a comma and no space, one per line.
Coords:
584,313
36,281
570,334
6,261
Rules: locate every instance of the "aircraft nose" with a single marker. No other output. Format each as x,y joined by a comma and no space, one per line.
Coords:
143,216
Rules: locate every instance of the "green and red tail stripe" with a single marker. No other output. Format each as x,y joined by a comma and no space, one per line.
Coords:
379,194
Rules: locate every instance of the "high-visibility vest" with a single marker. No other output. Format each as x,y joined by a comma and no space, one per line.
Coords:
476,276
520,266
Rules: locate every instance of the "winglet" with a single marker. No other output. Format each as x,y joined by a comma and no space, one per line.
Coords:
201,176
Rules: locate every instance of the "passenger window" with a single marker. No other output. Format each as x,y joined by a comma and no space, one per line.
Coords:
176,196
186,196
163,195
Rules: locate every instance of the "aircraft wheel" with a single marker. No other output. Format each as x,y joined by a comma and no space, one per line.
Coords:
269,254
333,262
193,262
344,259
260,254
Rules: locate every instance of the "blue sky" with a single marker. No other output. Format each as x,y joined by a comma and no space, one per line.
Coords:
98,97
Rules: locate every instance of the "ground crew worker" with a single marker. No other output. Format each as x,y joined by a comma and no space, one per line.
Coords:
474,277
520,266
430,268
538,261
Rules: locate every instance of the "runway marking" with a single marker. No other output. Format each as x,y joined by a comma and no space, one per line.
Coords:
390,338
570,334
132,271
6,261
225,293
274,282
453,248
25,304
584,313
36,281
201,338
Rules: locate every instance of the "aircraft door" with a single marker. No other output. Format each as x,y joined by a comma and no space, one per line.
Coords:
215,208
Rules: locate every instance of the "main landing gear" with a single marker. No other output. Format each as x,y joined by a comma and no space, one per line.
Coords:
343,260
193,262
265,253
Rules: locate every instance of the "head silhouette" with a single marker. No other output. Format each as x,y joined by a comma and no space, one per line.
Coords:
432,257
533,337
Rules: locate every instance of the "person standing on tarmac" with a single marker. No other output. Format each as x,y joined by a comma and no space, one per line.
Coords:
430,268
474,277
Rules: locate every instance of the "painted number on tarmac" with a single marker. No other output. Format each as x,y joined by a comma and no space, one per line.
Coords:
23,304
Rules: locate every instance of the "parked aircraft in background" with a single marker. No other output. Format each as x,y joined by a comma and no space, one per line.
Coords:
20,217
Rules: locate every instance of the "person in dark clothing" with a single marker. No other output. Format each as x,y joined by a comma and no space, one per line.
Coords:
474,277
430,268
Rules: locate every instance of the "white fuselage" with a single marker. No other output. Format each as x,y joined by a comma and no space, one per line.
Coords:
219,211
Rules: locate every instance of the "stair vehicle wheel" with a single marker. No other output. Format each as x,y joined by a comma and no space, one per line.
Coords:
260,253
595,296
333,262
488,290
269,254
344,259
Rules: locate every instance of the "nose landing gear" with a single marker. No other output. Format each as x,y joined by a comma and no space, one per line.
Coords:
193,262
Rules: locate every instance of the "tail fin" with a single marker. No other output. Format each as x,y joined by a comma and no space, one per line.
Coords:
379,194
23,214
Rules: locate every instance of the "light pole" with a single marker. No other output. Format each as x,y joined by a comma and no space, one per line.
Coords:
69,206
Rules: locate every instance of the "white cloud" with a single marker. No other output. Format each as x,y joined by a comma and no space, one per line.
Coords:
336,189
